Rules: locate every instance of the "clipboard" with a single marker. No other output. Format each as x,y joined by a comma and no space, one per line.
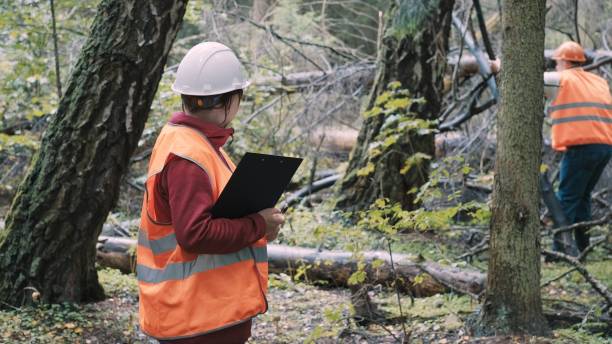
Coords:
257,183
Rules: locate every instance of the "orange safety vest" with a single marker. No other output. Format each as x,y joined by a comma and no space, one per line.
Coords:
582,110
183,294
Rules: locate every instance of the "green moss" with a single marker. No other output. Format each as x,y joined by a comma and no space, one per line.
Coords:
436,306
117,284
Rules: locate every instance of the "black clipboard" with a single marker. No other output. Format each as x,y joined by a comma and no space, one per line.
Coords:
257,183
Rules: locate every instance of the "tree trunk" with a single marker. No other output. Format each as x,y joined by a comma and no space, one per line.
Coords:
512,303
414,53
334,267
52,228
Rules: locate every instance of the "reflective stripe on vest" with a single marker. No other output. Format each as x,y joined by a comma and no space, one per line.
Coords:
581,113
204,262
183,294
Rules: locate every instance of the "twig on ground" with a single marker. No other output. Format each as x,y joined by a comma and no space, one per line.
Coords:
599,287
580,225
399,300
390,332
482,246
9,305
590,248
547,283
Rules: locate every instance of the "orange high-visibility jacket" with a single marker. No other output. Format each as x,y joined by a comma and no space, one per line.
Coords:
183,294
582,110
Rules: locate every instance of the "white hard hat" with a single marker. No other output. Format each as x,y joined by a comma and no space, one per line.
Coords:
209,68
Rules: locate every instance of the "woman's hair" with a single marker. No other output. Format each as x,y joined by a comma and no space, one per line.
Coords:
195,104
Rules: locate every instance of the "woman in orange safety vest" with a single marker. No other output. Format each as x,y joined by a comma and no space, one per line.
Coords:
201,279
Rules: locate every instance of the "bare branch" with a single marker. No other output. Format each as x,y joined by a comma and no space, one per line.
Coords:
599,287
581,225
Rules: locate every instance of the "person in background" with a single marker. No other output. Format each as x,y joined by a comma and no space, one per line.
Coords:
581,112
201,279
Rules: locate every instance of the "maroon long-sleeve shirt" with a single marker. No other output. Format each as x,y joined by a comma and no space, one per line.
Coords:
184,197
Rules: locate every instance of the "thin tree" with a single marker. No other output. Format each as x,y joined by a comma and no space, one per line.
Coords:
49,243
512,303
414,54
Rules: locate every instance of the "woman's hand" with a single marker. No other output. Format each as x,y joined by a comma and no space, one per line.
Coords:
274,219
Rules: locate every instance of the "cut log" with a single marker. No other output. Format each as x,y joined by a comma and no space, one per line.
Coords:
468,65
117,253
301,81
334,267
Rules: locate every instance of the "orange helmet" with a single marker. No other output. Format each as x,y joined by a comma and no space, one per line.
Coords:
569,51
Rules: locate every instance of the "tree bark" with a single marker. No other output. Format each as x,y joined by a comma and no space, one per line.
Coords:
334,267
414,53
52,228
512,303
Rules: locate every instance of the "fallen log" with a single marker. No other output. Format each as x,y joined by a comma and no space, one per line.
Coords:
116,253
421,279
468,65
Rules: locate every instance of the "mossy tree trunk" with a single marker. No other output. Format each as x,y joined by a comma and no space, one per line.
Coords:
512,303
49,242
413,54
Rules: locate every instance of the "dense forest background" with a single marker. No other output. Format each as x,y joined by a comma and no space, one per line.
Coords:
315,67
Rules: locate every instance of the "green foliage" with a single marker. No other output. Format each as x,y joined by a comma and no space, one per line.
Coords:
44,324
288,17
409,17
398,126
414,160
112,320
319,332
27,62
334,322
393,101
367,170
359,276
430,307
354,23
116,283
15,141
389,218
332,315
301,271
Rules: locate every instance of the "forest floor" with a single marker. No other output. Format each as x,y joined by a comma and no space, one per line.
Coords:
302,313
